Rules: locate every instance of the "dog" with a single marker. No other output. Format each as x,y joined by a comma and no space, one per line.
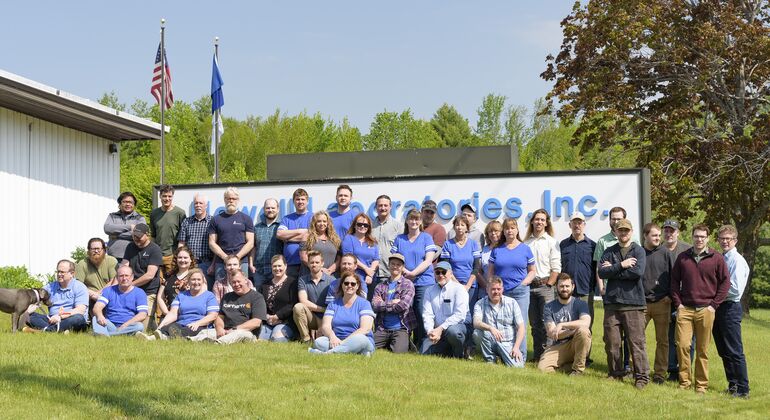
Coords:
18,301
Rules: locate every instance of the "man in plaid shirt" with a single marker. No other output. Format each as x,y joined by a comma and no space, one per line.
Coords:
194,233
266,244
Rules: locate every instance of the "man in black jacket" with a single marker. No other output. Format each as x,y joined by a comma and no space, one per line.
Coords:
657,286
624,303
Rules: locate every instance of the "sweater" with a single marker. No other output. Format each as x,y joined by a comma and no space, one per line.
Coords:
699,284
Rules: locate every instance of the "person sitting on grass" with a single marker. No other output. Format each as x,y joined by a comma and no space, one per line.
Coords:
347,322
392,302
499,326
566,323
121,308
280,295
69,303
443,315
192,310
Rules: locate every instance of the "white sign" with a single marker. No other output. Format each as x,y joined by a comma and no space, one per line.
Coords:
495,197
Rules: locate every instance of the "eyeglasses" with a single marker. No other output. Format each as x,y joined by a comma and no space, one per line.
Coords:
699,236
440,272
362,225
349,284
95,249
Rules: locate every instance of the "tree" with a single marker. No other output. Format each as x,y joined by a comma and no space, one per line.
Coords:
391,130
489,126
452,127
686,86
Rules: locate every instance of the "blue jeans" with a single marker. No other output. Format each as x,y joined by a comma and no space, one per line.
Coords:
355,344
520,294
75,322
110,329
219,270
279,333
452,342
419,296
204,266
727,337
492,349
260,279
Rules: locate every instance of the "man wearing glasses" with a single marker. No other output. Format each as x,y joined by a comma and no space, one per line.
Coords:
97,270
727,323
444,313
700,282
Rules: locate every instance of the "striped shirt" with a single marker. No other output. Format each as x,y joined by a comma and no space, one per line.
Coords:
194,234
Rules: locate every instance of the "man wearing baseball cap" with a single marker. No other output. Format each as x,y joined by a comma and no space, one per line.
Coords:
392,303
429,225
476,233
444,313
671,229
145,258
623,266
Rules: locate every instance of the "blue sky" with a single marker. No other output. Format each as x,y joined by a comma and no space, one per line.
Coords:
340,58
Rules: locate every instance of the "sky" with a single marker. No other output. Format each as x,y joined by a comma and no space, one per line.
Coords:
342,59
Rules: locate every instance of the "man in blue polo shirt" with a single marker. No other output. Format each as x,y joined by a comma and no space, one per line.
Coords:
69,303
342,216
293,231
121,308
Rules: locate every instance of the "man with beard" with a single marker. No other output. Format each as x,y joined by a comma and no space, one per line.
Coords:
385,228
97,270
566,322
266,243
231,232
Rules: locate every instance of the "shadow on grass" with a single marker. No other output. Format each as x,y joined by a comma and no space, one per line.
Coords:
112,395
761,323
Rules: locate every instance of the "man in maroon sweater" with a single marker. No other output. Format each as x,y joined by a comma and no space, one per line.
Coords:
700,281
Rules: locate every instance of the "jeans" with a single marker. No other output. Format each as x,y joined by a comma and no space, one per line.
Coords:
177,330
492,349
260,279
727,337
396,341
419,296
452,342
355,344
540,296
204,266
280,333
520,293
110,329
219,270
39,321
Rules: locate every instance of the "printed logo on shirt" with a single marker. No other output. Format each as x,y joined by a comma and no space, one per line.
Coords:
235,222
145,254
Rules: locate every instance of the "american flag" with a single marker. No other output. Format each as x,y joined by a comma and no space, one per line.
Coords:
155,90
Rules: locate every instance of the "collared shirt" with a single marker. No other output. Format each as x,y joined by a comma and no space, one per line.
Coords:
547,255
404,291
385,233
266,245
65,300
505,316
739,274
194,234
316,292
577,260
444,306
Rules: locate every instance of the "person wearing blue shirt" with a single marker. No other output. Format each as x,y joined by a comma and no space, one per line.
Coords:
69,303
231,232
514,262
347,322
464,255
293,231
191,311
121,308
418,250
444,313
348,263
342,215
360,242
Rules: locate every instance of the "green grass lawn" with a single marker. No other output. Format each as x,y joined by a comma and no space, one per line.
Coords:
77,376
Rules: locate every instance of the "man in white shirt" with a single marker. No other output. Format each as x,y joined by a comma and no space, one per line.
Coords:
445,309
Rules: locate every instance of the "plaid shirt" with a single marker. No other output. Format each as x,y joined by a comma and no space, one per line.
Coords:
266,245
505,319
194,233
381,304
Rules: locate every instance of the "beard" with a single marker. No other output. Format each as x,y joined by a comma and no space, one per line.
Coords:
96,260
564,295
231,208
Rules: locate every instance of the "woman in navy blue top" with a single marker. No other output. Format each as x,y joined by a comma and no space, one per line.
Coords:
360,242
347,322
465,258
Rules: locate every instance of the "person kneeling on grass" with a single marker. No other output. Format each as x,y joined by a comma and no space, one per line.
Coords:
443,315
347,322
499,326
392,302
192,310
121,308
566,323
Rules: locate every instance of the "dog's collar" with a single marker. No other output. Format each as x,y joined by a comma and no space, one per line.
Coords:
37,296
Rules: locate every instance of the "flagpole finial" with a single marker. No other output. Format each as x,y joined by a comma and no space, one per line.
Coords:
216,40
162,22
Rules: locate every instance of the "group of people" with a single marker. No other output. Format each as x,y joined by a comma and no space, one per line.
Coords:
343,282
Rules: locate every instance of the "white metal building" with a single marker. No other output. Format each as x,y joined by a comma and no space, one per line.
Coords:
59,170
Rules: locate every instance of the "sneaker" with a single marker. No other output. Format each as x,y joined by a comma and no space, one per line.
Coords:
576,373
742,395
589,362
367,354
640,385
673,376
27,329
731,389
658,380
142,336
66,332
700,391
159,335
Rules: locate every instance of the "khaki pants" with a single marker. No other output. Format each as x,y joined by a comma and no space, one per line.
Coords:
573,351
590,301
690,320
168,262
660,314
151,310
305,321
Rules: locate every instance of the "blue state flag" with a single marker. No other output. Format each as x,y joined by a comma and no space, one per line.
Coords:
217,100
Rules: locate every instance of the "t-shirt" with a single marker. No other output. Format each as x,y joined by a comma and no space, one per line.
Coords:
238,309
392,321
326,248
95,278
343,221
555,312
120,307
67,299
164,228
335,284
140,259
512,265
346,320
437,233
231,231
461,258
194,308
414,254
365,253
291,222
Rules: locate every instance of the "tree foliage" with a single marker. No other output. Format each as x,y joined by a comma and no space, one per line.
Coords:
393,130
685,86
452,127
490,127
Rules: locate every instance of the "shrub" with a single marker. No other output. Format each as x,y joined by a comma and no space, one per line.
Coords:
18,278
78,255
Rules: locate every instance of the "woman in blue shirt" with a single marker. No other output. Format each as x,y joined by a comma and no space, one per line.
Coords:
418,250
514,262
360,242
493,234
347,322
465,258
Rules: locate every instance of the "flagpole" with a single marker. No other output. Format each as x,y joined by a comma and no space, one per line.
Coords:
162,101
216,123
